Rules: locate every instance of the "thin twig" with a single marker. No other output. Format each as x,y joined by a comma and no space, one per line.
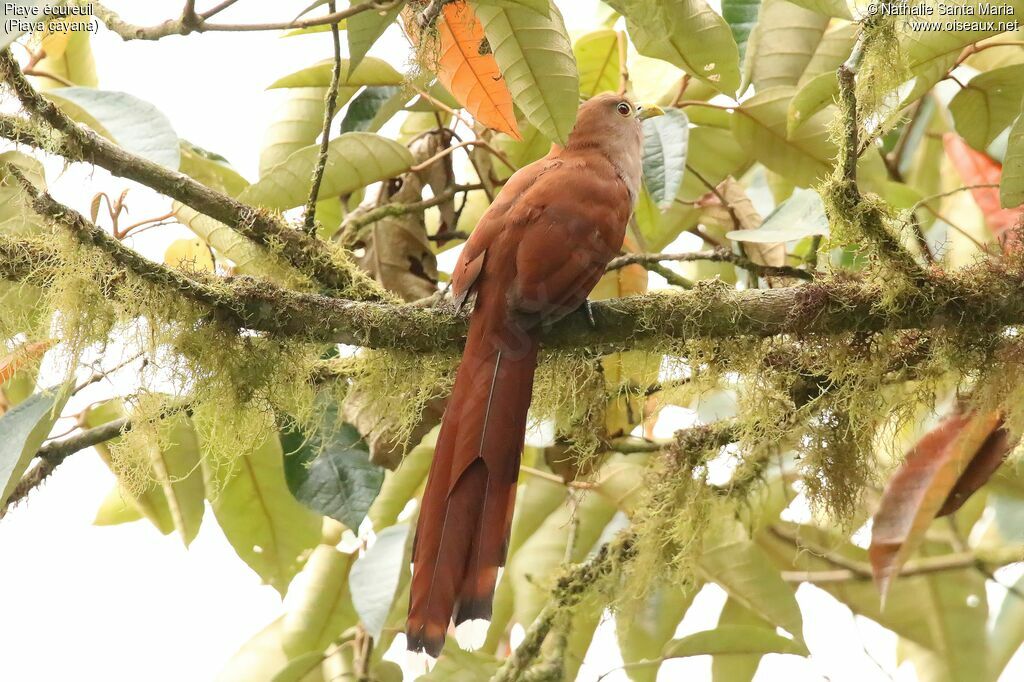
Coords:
128,31
54,453
717,256
330,106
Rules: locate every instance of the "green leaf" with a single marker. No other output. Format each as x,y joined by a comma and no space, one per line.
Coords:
305,668
744,571
136,125
733,640
176,467
375,576
643,632
687,33
742,17
354,160
24,428
782,44
812,97
267,527
400,486
715,154
255,659
456,665
833,50
760,126
297,123
211,169
150,500
737,667
597,59
802,215
369,71
17,217
363,30
372,108
988,104
536,59
540,6
664,155
830,8
1008,630
249,259
1011,189
330,472
116,508
319,606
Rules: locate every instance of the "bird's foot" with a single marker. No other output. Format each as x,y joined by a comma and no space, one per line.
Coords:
588,310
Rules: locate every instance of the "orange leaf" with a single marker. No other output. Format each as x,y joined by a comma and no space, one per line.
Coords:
21,356
467,68
976,168
923,487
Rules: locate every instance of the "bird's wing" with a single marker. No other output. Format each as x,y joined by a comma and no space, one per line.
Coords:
574,225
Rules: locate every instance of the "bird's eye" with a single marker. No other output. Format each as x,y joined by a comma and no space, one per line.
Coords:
624,108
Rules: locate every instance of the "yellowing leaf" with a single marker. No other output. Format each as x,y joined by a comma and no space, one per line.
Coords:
370,71
69,57
733,640
189,254
116,508
597,58
537,64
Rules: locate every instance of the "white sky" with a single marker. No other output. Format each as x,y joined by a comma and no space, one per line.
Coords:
123,603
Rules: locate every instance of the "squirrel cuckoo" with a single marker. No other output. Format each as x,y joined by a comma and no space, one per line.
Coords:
534,257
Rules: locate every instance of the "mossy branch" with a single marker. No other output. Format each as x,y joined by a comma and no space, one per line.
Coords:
330,105
569,589
54,453
845,195
264,228
987,295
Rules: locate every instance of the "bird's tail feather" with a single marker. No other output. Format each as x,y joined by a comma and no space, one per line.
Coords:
464,522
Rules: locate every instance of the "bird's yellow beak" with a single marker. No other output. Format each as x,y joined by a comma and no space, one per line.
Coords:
646,111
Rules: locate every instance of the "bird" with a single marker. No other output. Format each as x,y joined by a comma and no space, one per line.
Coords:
533,258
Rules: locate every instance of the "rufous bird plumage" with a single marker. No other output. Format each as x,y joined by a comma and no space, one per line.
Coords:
533,258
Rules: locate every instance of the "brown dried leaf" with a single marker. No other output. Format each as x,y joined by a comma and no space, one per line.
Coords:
924,485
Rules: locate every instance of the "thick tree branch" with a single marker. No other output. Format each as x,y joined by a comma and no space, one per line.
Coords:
828,305
81,144
200,24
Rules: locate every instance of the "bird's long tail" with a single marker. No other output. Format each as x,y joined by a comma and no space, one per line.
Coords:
466,514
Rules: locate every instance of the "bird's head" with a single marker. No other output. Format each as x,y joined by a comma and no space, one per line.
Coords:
610,119
612,124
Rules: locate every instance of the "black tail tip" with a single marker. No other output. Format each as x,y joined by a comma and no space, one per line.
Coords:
474,609
420,641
